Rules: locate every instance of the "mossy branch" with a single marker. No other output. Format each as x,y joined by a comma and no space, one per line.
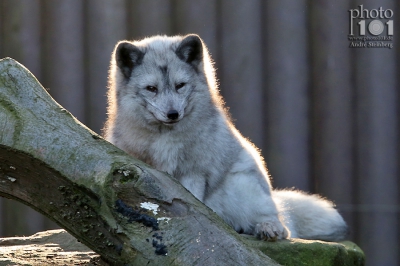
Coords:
121,208
56,165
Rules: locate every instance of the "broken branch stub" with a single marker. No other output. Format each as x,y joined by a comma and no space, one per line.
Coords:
119,207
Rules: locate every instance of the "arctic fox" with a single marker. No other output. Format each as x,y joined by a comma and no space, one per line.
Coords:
165,109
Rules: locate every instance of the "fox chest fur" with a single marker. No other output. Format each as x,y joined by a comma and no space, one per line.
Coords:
182,156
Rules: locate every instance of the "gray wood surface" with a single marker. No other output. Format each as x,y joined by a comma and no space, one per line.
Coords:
286,75
377,150
21,39
332,96
106,24
64,72
377,164
241,66
144,23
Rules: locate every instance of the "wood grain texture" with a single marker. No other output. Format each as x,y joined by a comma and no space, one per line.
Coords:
377,131
332,95
20,34
241,67
64,72
287,91
106,24
149,17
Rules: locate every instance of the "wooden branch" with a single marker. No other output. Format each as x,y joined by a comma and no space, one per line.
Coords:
119,207
56,165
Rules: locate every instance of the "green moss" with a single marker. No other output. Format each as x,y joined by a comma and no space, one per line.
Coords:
10,121
127,175
299,252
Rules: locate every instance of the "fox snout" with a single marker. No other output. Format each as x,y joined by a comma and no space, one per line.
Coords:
172,114
173,117
164,111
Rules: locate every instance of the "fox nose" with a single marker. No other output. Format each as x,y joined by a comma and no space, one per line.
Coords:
173,114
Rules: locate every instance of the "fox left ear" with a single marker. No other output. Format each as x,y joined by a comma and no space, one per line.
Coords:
190,49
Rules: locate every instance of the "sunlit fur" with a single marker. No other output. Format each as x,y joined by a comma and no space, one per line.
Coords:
200,146
159,43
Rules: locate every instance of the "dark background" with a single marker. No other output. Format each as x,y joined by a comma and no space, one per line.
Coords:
325,116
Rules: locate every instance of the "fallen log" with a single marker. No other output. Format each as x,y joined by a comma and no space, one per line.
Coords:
119,207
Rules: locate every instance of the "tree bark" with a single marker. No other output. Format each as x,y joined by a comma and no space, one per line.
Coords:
98,193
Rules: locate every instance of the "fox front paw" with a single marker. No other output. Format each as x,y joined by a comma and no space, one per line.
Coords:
271,231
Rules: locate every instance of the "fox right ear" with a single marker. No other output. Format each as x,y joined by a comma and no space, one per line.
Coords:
127,56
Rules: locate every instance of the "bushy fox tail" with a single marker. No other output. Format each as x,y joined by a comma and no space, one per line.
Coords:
309,216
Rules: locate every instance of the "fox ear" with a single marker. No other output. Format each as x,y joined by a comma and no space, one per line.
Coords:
127,56
190,49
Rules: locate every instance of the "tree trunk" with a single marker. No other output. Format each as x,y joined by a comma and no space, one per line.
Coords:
99,194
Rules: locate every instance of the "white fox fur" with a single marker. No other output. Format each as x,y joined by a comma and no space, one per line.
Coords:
165,109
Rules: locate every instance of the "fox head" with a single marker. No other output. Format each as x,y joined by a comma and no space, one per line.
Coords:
160,81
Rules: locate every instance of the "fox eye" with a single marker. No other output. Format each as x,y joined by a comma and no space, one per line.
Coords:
151,88
180,85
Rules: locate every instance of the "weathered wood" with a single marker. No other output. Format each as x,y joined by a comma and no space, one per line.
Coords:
106,24
377,164
53,163
332,103
200,17
149,17
241,66
287,83
21,32
63,72
21,40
